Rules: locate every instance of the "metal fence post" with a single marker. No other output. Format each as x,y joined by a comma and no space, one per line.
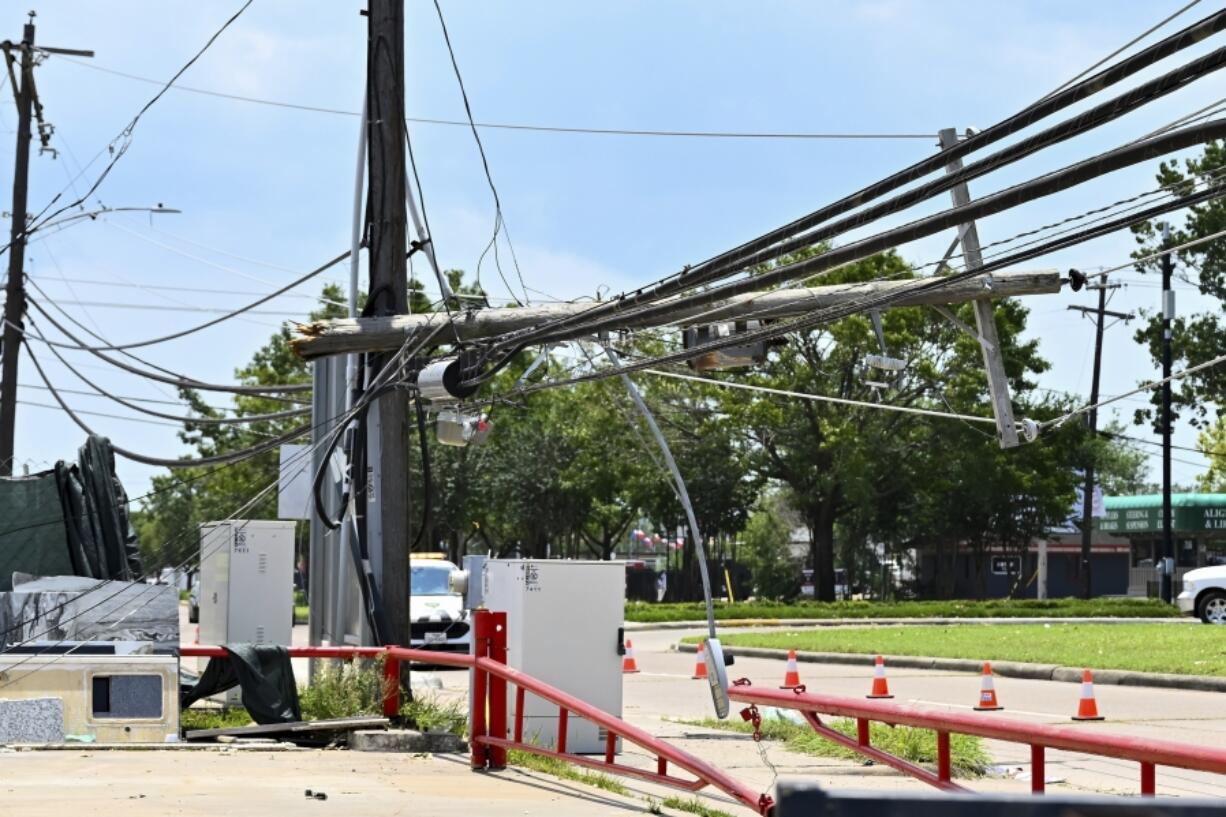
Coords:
479,753
391,684
498,689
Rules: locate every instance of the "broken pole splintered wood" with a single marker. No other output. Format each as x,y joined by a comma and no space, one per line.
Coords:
385,334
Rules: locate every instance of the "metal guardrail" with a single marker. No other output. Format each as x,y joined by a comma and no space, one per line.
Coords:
1038,736
488,727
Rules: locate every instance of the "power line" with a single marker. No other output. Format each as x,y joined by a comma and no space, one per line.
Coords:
174,308
170,288
171,377
227,315
231,456
118,146
499,221
760,249
822,397
153,400
188,421
831,314
559,129
1126,46
101,414
1008,198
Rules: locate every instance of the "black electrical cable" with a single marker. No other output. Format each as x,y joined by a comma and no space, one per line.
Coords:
499,221
124,138
129,355
828,315
177,380
220,319
241,454
207,421
427,486
1008,198
731,259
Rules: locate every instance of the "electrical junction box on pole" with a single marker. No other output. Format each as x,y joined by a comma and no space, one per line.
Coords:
564,626
246,583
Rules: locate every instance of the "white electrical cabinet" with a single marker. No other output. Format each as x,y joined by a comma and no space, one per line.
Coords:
247,582
564,627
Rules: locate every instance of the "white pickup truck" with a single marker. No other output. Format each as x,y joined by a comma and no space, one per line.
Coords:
1204,594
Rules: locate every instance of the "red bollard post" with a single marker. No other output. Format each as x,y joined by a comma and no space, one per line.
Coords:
1038,769
1148,782
944,760
477,691
498,690
391,685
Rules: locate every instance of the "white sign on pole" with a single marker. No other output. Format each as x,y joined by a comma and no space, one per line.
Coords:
294,483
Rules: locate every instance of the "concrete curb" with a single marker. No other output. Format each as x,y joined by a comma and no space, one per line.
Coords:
405,740
640,626
1007,669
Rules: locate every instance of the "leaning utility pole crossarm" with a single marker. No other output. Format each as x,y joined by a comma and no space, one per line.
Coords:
384,334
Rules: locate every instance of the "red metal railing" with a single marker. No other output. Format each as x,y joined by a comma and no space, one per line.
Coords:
1040,737
488,728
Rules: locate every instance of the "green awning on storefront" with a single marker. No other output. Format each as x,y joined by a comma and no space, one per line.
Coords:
1190,513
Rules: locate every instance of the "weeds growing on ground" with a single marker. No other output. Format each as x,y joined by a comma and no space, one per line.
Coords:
213,718
967,754
565,771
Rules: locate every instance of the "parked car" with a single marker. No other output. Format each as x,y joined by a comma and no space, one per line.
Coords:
1204,594
437,618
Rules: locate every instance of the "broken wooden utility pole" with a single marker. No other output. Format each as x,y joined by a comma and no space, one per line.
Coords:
26,96
985,322
387,478
340,336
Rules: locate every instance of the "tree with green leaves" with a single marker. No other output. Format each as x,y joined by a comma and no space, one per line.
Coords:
871,474
1198,337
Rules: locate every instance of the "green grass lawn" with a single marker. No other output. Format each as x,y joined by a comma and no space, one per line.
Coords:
1187,650
995,608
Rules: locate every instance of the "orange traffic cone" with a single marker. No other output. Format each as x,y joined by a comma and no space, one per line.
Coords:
987,691
628,663
791,675
1087,709
700,666
881,687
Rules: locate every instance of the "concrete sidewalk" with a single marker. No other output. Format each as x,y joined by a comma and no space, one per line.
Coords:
251,782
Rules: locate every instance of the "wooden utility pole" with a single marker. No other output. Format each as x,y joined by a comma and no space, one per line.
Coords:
342,335
387,511
985,322
15,291
1087,515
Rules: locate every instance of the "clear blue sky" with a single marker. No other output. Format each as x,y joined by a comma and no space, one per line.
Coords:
273,185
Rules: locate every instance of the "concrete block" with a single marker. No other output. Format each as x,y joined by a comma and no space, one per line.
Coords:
405,740
32,720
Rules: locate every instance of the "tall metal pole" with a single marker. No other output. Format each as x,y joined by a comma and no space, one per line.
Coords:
387,519
15,291
1168,314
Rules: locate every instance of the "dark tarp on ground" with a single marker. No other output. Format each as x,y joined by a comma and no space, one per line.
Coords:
70,520
265,675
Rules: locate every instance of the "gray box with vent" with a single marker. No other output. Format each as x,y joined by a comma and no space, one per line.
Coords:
246,583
